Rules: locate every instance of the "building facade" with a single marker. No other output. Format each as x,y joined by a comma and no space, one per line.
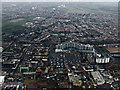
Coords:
74,46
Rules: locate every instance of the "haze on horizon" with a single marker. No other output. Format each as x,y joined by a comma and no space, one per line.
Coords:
60,0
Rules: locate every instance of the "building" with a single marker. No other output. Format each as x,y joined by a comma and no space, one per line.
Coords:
10,64
98,78
104,59
1,49
100,56
24,69
12,87
74,46
2,78
75,79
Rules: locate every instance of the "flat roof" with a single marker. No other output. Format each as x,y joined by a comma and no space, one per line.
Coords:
24,68
1,49
98,77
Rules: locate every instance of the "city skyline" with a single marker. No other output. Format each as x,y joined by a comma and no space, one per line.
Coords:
60,0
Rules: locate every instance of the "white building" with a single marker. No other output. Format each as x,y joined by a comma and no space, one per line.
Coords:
1,49
74,46
101,56
98,78
102,59
2,78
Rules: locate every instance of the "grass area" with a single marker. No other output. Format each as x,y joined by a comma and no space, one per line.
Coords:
16,20
105,50
10,27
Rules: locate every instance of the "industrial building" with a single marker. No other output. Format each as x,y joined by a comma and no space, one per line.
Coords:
98,78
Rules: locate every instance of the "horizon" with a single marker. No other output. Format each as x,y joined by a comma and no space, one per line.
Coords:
60,1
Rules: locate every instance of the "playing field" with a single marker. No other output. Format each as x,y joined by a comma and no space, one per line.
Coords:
16,20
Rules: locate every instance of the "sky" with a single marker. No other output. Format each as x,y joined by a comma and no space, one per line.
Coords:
60,0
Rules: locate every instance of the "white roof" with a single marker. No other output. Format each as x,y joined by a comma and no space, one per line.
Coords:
0,49
98,77
44,59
